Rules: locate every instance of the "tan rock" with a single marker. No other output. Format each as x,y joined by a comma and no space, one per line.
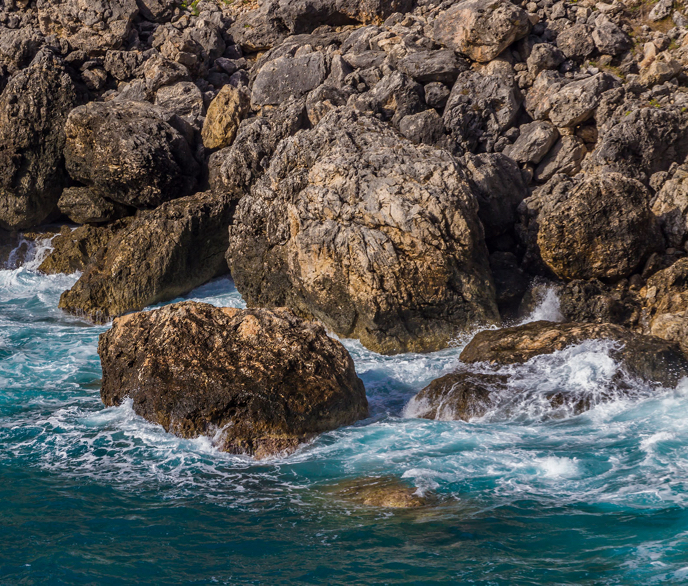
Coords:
225,113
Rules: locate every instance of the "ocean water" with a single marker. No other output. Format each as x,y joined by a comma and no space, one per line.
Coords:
528,494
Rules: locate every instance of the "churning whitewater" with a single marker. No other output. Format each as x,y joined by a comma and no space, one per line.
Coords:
529,492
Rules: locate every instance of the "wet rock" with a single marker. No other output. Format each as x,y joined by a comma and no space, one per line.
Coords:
485,379
73,250
83,206
511,282
256,382
597,226
33,109
380,492
533,143
128,153
225,113
160,255
481,29
93,27
375,236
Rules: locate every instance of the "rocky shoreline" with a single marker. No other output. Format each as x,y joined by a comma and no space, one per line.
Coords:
402,171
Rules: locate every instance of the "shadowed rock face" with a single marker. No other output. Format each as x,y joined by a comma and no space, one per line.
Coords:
159,255
477,386
375,236
33,110
258,382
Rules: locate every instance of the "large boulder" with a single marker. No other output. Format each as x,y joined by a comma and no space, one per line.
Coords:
161,254
375,236
481,29
500,367
256,382
93,27
33,108
594,226
127,152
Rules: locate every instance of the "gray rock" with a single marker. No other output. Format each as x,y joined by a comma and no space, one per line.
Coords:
33,109
393,97
18,47
123,65
436,95
160,72
324,99
671,207
288,77
427,66
566,156
157,10
83,206
661,10
376,237
544,56
533,143
576,41
128,153
481,29
183,99
609,38
196,46
423,128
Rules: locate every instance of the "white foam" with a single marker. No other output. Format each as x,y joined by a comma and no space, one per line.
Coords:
547,309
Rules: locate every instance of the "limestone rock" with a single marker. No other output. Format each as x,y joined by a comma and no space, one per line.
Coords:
481,29
225,113
160,255
671,207
566,156
375,236
576,41
33,109
533,143
83,206
288,77
128,153
256,382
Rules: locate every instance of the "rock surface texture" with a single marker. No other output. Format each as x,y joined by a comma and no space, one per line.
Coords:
256,382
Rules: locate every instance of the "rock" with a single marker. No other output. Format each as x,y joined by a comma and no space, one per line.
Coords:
225,113
533,143
498,185
544,56
157,10
432,66
609,38
436,95
566,157
671,207
472,391
123,65
596,227
83,206
128,153
322,100
483,104
256,382
425,127
376,237
195,46
18,47
665,305
662,68
183,99
93,27
576,41
160,72
642,142
481,29
288,77
73,250
661,10
33,108
393,97
233,170
511,282
594,302
382,492
160,255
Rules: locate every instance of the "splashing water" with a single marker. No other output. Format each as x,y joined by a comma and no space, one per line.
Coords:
523,495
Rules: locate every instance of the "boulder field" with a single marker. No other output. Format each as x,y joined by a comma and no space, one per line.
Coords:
402,171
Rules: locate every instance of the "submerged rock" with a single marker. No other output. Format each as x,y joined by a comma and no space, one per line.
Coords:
161,254
375,236
382,492
495,359
257,382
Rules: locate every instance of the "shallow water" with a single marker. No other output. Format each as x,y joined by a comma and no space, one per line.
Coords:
526,495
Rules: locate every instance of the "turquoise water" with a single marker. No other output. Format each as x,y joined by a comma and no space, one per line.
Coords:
90,495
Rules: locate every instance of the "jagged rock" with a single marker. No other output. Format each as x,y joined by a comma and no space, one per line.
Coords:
128,153
195,46
123,65
83,206
661,10
483,104
609,38
324,99
428,66
566,156
481,29
233,170
544,56
671,207
158,10
256,382
665,305
423,128
662,68
594,227
642,142
498,185
160,255
93,27
482,382
436,95
73,250
225,113
33,108
533,143
160,72
183,99
594,302
393,97
18,47
375,236
576,41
